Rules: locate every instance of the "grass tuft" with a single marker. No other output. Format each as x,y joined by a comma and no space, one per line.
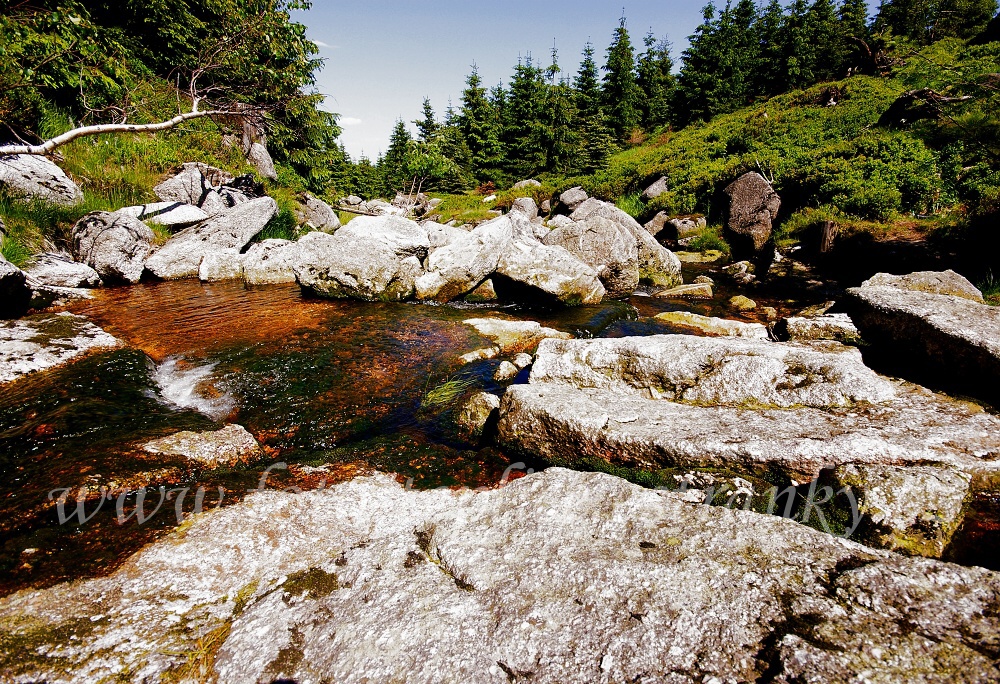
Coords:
446,392
990,287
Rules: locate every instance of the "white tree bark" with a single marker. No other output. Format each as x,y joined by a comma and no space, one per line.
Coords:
84,131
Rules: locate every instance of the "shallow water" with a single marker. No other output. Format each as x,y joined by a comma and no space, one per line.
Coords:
317,382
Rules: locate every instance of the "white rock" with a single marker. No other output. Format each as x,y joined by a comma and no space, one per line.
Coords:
36,177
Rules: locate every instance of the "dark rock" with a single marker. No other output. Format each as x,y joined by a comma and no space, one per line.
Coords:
751,207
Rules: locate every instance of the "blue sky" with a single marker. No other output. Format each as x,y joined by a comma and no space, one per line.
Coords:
382,58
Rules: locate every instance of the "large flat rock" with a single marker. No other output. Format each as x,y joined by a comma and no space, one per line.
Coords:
715,371
570,426
558,577
44,341
951,339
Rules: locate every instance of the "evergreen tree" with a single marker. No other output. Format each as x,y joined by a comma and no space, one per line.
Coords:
558,114
770,72
928,20
699,82
822,35
427,125
393,165
852,32
621,94
480,128
656,82
738,54
590,127
524,132
798,54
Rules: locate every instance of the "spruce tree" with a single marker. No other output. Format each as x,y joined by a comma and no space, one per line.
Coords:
557,119
427,125
852,32
621,94
393,165
699,82
822,35
797,52
524,132
928,20
480,128
594,136
656,81
770,75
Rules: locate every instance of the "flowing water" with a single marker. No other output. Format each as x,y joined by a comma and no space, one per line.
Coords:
330,388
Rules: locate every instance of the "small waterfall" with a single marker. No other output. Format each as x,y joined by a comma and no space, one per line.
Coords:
190,386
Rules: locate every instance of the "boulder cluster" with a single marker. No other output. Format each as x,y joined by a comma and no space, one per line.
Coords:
591,251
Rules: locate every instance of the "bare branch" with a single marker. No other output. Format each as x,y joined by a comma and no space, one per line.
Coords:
84,131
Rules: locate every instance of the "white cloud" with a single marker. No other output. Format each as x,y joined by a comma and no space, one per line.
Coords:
320,43
350,121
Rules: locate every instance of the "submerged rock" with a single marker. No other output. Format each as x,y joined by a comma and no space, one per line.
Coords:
44,341
231,446
514,336
224,234
59,270
113,244
713,327
560,576
689,291
951,339
35,177
476,413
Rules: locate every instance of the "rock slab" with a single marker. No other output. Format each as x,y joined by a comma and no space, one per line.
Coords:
557,577
44,341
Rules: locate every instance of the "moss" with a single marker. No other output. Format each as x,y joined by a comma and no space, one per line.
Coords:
21,639
315,581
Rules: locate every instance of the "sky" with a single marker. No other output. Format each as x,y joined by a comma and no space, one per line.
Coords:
383,58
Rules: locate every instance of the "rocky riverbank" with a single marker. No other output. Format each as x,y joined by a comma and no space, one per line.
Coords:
806,474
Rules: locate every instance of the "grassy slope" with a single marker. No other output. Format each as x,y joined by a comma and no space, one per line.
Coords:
825,152
121,170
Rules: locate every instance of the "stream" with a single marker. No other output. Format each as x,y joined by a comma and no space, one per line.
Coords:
331,389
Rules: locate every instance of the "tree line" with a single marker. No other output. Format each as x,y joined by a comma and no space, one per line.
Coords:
548,121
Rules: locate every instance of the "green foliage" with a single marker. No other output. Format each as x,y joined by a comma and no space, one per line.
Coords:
710,239
467,208
990,287
631,204
817,154
929,20
107,61
447,392
622,96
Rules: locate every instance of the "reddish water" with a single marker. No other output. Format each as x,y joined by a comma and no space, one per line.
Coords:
317,382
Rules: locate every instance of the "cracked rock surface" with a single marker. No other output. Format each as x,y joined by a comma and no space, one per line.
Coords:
560,576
